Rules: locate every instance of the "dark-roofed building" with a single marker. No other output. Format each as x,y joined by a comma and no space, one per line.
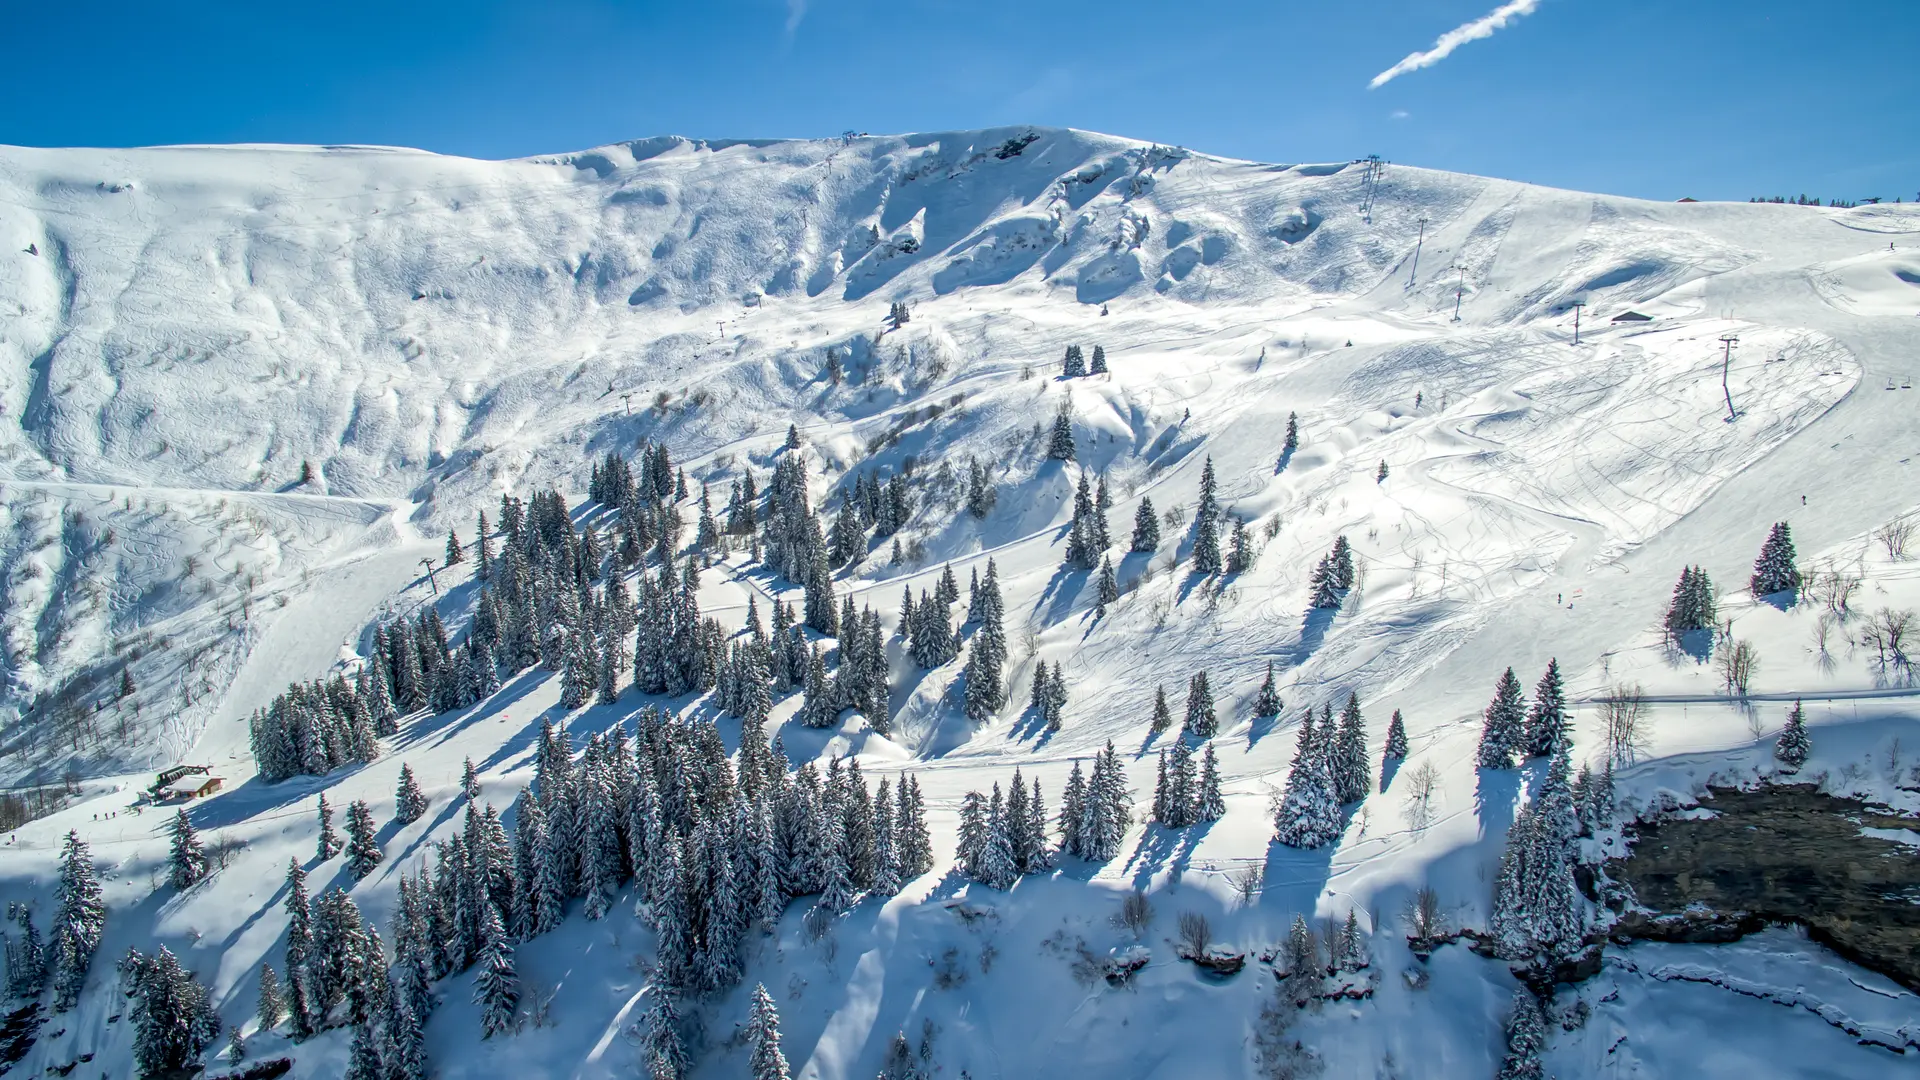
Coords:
1632,316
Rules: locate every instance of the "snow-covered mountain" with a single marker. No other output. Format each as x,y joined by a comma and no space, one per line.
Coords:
256,386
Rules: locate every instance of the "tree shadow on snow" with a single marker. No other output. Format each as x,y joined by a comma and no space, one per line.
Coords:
1495,793
1061,591
1295,878
1165,849
1782,600
1262,726
1313,631
1389,768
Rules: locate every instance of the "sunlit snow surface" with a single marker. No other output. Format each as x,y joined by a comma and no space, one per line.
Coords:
194,324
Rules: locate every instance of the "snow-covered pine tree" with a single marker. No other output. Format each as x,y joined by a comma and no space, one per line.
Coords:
1352,773
1073,812
454,554
484,542
1163,809
1693,606
496,987
26,958
1239,548
187,862
1266,703
820,709
1060,442
1162,713
363,843
1108,587
1340,562
1146,529
328,843
1380,477
1054,707
1099,365
1309,813
1503,727
1324,590
994,865
1209,805
662,1051
1075,364
410,804
1793,746
1526,1038
1206,525
173,1022
1200,721
1106,813
1548,719
1349,945
1774,571
1292,441
914,844
766,1062
78,920
1396,738
271,1005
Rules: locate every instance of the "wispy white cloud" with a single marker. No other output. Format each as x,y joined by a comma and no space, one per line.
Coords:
1484,26
796,11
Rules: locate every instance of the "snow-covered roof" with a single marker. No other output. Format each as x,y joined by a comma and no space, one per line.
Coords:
188,785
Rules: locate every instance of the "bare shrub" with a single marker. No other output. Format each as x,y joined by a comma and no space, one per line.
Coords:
1196,933
1894,536
1425,920
1422,785
1625,709
1737,660
1136,913
1886,634
1248,881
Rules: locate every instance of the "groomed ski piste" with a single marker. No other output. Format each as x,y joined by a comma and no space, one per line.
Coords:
250,389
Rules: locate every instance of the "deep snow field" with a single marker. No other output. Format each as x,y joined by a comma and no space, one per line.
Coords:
183,330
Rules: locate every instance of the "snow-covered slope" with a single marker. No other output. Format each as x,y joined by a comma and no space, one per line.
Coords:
254,386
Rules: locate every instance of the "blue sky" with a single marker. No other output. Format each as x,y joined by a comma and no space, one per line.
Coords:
1657,98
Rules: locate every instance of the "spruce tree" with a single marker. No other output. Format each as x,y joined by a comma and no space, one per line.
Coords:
1209,804
1503,728
1266,704
328,843
1200,722
496,987
1146,529
27,958
272,1003
1075,364
1239,548
363,844
173,1022
77,922
1060,442
1793,746
1099,366
1292,441
1206,525
409,803
662,1051
454,554
1352,775
1526,1038
1396,738
1548,720
188,861
766,1062
1109,587
1162,713
1324,586
1774,571
1309,812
